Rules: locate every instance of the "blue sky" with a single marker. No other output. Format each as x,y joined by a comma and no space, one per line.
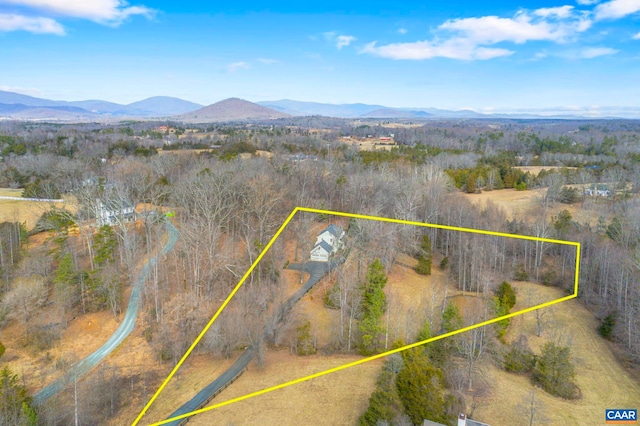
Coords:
489,56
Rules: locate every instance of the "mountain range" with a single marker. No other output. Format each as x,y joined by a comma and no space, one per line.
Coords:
18,106
23,107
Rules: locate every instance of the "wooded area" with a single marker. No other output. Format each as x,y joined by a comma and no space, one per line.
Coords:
228,201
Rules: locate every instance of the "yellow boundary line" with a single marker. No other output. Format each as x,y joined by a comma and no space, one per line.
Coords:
371,358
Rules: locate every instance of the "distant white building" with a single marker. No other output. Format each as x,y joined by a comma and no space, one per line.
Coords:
330,240
598,191
114,211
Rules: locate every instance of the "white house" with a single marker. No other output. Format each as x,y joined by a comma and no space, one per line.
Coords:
332,235
321,252
598,190
330,240
113,212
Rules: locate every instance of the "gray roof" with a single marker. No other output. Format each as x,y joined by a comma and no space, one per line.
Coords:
334,230
116,205
471,422
324,245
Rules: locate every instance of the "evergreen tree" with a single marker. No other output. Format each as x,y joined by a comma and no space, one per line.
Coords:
425,334
506,294
500,309
66,282
471,183
105,243
554,371
440,351
15,402
508,179
606,328
373,306
421,388
424,260
503,301
451,318
384,402
305,345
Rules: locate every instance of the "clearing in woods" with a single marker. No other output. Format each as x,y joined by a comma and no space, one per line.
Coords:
524,205
27,212
358,361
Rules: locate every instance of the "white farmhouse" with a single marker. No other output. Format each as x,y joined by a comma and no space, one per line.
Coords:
114,212
332,235
330,240
321,252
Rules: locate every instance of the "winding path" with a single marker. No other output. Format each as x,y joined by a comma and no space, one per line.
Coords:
316,271
125,328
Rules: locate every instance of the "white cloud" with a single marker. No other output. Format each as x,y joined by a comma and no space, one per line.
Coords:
102,11
402,31
420,50
30,91
616,9
594,52
339,39
560,12
235,66
522,27
36,25
344,40
587,2
473,38
636,36
41,14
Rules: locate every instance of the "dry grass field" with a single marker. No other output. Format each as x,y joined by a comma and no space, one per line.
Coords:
526,205
336,399
369,144
535,170
26,211
601,379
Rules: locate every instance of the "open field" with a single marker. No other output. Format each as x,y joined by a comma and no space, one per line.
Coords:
535,170
601,379
369,144
244,155
24,211
526,206
340,397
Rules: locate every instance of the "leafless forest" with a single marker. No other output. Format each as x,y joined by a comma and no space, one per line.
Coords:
228,187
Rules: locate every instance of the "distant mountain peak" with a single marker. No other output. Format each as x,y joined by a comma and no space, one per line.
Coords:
231,109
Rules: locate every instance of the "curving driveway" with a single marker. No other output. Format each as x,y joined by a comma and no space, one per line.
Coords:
125,328
316,271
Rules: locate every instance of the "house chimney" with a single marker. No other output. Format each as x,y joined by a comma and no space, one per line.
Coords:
462,419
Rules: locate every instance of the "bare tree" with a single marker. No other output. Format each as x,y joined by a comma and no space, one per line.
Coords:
26,296
533,409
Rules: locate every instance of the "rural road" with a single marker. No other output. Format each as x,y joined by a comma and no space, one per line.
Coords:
316,271
125,328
